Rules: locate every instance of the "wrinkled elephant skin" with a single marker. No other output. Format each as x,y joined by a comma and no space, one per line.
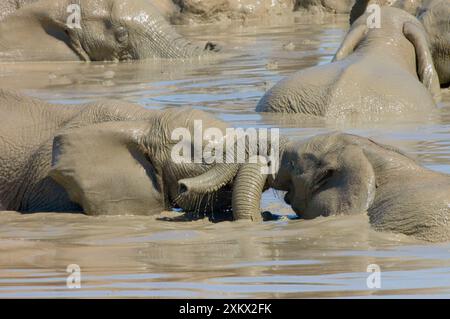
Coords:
92,30
113,157
369,75
338,173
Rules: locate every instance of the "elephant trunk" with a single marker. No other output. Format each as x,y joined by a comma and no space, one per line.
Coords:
249,181
247,186
212,180
165,42
247,190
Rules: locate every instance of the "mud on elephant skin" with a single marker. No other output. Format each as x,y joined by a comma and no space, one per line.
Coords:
433,14
7,7
339,173
166,7
325,6
208,11
113,157
369,76
111,30
413,7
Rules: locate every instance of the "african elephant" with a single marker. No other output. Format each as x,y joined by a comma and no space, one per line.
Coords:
373,72
338,173
114,157
433,14
332,6
92,30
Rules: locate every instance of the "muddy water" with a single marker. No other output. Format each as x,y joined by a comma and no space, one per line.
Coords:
137,256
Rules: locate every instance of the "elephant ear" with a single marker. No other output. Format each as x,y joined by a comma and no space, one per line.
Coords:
73,41
351,40
425,67
103,169
358,10
60,30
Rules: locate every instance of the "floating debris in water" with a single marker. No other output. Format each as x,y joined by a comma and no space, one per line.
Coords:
109,74
272,65
289,46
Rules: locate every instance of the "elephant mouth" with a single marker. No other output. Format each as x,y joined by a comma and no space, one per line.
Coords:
287,198
296,207
215,205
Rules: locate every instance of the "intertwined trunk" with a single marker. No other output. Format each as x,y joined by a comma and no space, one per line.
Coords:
248,179
248,184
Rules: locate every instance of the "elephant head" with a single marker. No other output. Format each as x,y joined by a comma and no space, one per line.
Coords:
339,173
328,175
128,165
102,30
128,30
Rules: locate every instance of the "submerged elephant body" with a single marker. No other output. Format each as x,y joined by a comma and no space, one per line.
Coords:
374,72
111,157
92,31
339,173
433,14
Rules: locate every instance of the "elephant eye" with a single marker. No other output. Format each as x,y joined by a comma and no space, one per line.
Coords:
323,176
121,34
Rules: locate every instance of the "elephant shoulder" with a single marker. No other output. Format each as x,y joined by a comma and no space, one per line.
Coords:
28,119
421,210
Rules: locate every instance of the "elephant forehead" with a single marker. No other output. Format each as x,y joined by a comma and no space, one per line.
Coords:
324,143
95,8
139,16
136,11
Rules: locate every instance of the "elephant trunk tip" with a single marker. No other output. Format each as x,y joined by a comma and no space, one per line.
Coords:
212,46
187,186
